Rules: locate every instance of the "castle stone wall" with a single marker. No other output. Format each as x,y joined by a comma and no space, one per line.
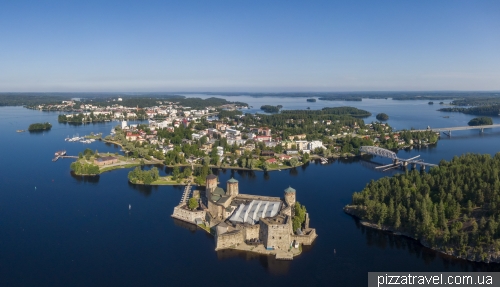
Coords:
215,210
275,235
188,215
251,232
305,239
229,239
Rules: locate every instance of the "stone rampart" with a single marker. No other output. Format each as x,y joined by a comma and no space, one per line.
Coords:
226,240
188,215
306,239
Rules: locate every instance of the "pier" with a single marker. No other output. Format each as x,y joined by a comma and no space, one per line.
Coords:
185,195
284,256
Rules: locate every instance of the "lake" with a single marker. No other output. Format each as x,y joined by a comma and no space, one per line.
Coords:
62,230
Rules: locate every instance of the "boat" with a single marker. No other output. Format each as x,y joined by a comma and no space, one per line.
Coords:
20,131
60,153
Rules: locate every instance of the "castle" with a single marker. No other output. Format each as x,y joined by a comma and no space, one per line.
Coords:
239,220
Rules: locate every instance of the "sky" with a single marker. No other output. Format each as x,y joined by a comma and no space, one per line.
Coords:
249,46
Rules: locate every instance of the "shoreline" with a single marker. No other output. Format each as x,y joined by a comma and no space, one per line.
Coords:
493,256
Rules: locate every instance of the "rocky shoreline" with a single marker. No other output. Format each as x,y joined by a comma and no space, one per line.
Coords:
471,254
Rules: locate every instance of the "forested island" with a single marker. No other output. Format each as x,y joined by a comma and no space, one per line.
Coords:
271,109
382,117
311,100
486,110
351,98
39,127
481,121
453,209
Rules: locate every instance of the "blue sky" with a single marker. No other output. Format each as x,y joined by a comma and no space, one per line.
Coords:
268,46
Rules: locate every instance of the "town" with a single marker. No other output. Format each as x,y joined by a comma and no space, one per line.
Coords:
225,137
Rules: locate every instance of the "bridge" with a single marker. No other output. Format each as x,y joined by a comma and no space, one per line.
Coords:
396,161
463,128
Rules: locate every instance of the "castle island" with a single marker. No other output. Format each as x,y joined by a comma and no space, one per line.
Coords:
254,223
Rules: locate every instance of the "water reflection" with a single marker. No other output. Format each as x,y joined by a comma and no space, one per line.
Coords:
94,179
145,190
273,266
387,240
188,226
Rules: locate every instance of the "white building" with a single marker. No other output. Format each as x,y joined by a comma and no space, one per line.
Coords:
124,124
233,131
315,144
220,151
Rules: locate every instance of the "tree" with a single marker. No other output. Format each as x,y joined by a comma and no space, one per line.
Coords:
193,203
175,172
382,117
305,158
294,162
187,172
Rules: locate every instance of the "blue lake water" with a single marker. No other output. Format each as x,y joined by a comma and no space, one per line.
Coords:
61,230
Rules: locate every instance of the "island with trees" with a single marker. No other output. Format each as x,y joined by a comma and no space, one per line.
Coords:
382,117
312,100
481,121
453,209
271,109
39,127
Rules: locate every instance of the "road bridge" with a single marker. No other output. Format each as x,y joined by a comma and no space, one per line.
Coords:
462,128
396,161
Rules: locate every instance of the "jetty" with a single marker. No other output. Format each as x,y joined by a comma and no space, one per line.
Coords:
62,154
284,256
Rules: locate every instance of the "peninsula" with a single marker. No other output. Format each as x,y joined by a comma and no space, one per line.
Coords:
452,209
262,224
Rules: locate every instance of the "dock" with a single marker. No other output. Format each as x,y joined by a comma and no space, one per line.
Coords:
63,156
284,256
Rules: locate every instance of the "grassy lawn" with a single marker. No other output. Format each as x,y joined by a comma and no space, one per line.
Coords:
124,165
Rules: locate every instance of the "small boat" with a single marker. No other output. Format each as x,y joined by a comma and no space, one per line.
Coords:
20,131
129,206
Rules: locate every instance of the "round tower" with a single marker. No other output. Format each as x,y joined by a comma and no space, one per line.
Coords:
232,187
290,196
211,182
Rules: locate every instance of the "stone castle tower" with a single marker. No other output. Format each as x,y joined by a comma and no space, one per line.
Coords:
211,183
232,187
290,196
